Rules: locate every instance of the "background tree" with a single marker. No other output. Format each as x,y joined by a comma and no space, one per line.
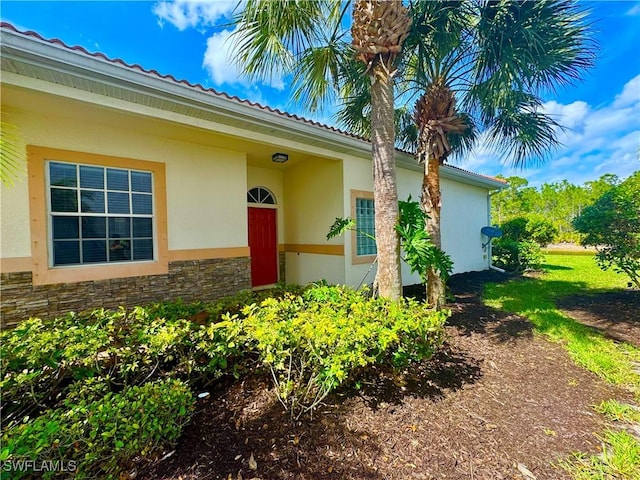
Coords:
558,203
612,225
309,41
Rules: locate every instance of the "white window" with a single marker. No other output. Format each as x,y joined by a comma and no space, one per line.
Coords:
99,214
365,224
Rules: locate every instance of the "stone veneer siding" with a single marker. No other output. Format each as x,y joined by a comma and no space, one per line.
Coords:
191,280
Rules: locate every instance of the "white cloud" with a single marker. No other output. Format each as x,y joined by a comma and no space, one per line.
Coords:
192,13
596,140
630,94
569,116
217,62
633,11
222,69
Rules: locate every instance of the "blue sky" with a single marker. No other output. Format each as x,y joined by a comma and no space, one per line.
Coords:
188,40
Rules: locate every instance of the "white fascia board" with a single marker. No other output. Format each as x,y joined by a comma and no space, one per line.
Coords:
57,58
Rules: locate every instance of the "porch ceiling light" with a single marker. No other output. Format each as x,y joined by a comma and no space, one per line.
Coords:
279,157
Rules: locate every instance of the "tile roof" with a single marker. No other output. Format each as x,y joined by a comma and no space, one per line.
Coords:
211,91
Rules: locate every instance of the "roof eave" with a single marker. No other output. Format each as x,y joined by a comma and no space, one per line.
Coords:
29,50
32,50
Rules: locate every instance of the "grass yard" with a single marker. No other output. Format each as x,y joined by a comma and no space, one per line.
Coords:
538,299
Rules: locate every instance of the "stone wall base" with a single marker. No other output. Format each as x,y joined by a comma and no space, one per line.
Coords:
193,280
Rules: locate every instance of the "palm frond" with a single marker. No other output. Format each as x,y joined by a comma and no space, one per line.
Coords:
406,129
12,159
523,137
463,143
272,34
532,45
315,80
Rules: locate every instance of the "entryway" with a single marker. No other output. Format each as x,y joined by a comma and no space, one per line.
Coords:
263,238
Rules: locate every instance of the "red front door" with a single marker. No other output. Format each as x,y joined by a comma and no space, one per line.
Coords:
263,245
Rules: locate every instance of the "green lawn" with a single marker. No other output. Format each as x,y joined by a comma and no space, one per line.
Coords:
535,298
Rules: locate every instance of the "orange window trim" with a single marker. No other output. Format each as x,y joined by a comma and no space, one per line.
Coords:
45,275
355,258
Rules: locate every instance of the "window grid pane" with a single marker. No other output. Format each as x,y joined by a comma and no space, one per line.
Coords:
260,195
365,222
94,223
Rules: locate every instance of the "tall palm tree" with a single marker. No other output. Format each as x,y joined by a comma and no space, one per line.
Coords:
478,69
483,66
308,40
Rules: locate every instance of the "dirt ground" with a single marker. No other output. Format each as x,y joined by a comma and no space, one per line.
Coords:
496,403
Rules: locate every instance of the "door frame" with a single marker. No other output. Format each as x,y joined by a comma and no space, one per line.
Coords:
267,206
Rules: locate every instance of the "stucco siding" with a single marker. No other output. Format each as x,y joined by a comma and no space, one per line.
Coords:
313,192
206,186
15,240
464,213
303,268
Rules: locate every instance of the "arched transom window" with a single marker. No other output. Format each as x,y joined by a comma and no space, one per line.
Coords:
260,195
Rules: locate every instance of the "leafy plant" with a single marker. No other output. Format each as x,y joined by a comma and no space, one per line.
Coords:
40,360
420,253
620,458
314,342
540,230
518,249
102,436
418,250
612,225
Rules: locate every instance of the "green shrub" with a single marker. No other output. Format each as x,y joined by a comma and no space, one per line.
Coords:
317,341
41,360
540,230
516,256
532,228
101,437
514,229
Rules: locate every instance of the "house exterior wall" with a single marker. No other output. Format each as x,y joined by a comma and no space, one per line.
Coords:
207,169
206,251
193,280
206,187
313,192
464,213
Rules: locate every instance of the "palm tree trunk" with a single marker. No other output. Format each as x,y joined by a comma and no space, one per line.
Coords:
388,277
431,203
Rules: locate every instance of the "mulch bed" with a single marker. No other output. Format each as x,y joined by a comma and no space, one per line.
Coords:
616,314
496,403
